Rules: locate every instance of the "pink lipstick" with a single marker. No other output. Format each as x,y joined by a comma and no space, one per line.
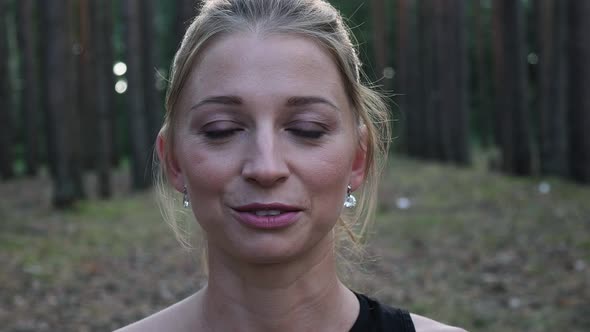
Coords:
267,216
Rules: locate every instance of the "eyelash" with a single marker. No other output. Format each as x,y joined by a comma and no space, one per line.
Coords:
308,130
309,134
220,134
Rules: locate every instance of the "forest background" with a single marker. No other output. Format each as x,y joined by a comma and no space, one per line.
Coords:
491,98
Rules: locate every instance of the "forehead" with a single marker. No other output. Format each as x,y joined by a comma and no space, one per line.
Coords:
250,65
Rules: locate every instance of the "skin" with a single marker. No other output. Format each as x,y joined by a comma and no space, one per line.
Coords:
265,119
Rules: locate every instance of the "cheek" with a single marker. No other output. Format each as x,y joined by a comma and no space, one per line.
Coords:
205,171
328,176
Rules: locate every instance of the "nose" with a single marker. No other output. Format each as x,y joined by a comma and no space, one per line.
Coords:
265,162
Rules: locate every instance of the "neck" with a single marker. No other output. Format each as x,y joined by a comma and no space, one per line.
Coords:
302,295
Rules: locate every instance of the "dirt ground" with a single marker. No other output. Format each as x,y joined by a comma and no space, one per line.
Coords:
470,248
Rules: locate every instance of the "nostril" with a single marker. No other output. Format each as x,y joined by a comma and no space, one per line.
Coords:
265,162
265,171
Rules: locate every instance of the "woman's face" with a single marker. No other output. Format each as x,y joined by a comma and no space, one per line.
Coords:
266,144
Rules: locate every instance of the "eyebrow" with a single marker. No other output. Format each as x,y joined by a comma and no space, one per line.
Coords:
309,100
219,100
297,101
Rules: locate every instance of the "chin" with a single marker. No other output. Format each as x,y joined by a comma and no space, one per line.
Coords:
269,249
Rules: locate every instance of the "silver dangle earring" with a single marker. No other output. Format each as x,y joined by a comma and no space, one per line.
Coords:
350,200
185,201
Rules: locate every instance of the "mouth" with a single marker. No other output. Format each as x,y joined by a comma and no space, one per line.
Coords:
271,209
267,216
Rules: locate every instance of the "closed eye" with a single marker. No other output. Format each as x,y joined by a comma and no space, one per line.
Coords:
310,130
220,134
218,130
314,134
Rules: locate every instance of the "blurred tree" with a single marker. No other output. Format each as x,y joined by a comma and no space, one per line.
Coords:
458,89
6,118
552,87
449,102
153,109
511,111
443,78
404,85
579,89
88,97
30,97
185,11
482,72
59,63
424,124
140,150
102,40
432,46
74,50
380,40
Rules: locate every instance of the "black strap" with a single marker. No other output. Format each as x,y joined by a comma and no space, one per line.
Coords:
376,317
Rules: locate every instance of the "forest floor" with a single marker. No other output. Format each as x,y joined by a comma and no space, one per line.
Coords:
475,249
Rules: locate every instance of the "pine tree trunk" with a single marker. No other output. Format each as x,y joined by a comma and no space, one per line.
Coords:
552,87
379,39
443,78
104,92
579,90
30,97
460,122
185,11
424,123
73,101
484,117
511,87
136,97
404,89
498,70
6,105
153,105
58,65
88,96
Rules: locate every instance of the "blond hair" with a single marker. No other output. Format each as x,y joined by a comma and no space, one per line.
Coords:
313,19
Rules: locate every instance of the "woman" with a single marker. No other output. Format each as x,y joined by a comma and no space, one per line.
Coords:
268,133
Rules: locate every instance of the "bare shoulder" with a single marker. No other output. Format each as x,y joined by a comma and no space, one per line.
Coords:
173,318
423,324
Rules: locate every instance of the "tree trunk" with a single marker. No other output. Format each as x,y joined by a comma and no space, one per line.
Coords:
404,89
379,39
552,103
443,81
498,69
484,118
104,92
6,105
424,123
88,96
185,11
58,65
73,102
30,98
460,121
511,86
153,105
579,90
136,97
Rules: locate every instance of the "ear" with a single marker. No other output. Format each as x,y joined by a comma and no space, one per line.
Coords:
359,163
169,163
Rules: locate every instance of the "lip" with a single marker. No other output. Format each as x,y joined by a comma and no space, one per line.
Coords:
245,215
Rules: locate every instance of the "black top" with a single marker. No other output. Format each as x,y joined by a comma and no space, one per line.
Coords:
376,317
